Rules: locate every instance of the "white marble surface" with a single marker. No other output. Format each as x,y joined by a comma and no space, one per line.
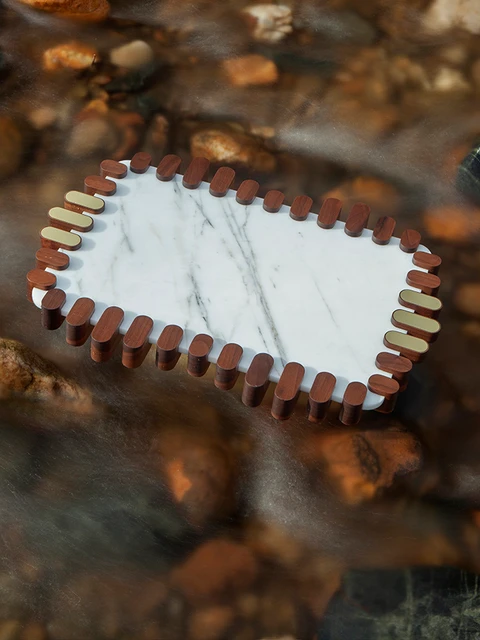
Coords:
240,274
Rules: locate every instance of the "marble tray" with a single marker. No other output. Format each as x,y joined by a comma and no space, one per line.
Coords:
279,287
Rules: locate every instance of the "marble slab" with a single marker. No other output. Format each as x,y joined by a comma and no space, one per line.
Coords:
240,274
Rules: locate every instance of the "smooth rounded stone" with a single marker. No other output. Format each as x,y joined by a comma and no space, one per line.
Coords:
23,372
467,298
83,10
250,70
221,146
12,143
217,566
91,136
269,22
444,15
133,55
210,623
448,79
70,55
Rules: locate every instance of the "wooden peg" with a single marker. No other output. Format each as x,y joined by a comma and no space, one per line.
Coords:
428,283
135,342
416,325
222,182
287,391
357,220
195,173
329,213
226,373
273,201
96,184
80,202
39,279
52,304
415,349
53,238
353,399
398,366
409,240
78,321
386,387
52,259
256,380
168,167
140,162
320,396
421,303
69,220
167,347
383,231
197,362
301,208
112,169
105,334
247,192
428,261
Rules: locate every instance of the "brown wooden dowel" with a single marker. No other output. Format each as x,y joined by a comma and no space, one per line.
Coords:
353,399
383,385
105,334
226,372
168,167
247,192
140,162
167,347
256,380
409,240
96,184
428,283
52,304
287,391
112,169
39,279
222,182
320,396
273,201
329,213
195,173
51,258
300,208
135,342
78,322
383,231
357,220
428,261
197,359
398,366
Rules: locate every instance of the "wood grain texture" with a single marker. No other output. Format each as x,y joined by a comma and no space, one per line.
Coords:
167,354
421,303
287,391
357,220
383,386
135,342
353,399
226,373
415,349
97,185
168,167
39,279
329,213
222,182
428,283
105,334
197,357
383,231
428,261
112,169
78,322
140,162
247,192
256,380
52,259
69,220
301,208
320,396
398,366
195,173
81,202
416,325
52,304
52,238
409,240
273,201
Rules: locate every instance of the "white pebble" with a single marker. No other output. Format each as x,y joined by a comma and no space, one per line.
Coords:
133,55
